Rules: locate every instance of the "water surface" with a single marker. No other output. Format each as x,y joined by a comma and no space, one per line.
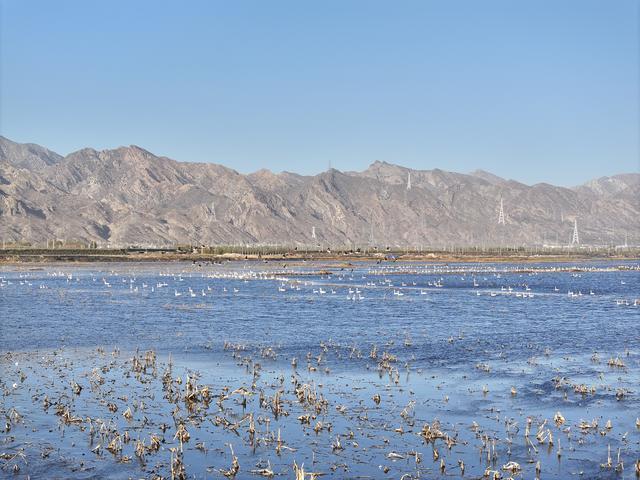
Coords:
482,350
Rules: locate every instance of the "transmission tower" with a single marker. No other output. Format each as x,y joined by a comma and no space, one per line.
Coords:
313,232
501,215
576,239
409,181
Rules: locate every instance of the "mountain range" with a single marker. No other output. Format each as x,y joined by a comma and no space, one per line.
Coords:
129,196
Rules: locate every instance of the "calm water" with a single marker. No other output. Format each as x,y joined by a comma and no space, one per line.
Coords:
452,331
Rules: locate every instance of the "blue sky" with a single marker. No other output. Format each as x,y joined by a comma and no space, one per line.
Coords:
541,90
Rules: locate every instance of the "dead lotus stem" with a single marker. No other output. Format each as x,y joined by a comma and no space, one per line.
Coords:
140,449
154,443
300,474
619,464
265,472
408,410
76,388
616,362
178,471
432,432
127,414
609,463
115,445
336,446
235,466
298,471
68,418
279,443
252,430
182,435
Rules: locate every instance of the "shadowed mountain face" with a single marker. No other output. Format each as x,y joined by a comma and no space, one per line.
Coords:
128,196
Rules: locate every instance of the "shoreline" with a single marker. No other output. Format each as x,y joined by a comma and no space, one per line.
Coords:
40,257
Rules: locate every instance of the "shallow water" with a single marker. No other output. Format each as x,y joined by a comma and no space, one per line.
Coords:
452,331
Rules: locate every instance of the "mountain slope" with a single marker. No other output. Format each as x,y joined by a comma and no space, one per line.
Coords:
128,196
26,155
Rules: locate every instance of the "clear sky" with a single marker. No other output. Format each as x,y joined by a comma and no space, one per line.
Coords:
543,90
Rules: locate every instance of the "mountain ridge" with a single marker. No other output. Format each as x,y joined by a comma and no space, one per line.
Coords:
128,195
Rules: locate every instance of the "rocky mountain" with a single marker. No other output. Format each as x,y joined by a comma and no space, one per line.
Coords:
129,196
27,155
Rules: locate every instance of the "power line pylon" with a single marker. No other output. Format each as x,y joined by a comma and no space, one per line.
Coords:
576,239
501,215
